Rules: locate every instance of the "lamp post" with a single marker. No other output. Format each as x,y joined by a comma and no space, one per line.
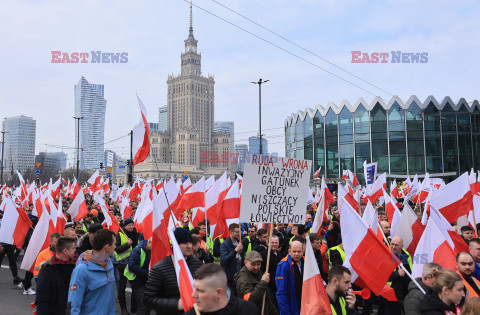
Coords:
3,146
78,144
260,82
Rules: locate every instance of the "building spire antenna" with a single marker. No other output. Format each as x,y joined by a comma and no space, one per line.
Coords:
191,18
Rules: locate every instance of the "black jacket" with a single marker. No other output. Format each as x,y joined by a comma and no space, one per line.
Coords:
432,305
228,259
413,300
235,306
52,287
272,268
161,290
400,284
260,247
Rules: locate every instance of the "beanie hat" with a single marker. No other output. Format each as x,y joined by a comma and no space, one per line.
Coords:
182,235
127,221
94,227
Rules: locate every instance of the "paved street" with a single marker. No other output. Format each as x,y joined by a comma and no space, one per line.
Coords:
12,301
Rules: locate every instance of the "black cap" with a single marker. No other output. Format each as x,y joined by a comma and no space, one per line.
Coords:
182,235
127,221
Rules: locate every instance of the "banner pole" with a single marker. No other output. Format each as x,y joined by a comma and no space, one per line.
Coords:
268,264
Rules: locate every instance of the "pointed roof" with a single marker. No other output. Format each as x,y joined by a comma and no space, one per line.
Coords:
191,39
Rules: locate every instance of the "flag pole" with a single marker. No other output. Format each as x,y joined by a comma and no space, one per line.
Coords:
131,158
268,263
474,220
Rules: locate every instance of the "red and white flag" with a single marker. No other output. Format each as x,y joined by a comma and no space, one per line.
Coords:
343,194
193,197
317,173
315,300
39,241
375,190
125,209
394,189
15,224
393,214
184,277
409,228
161,216
433,247
110,222
78,209
454,240
230,210
454,199
141,131
370,261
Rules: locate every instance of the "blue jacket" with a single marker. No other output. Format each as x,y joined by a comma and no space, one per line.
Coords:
92,289
284,279
134,265
227,259
476,273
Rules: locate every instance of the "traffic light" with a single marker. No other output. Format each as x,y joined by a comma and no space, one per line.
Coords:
101,165
128,162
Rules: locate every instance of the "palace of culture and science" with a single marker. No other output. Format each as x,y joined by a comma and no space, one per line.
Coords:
190,143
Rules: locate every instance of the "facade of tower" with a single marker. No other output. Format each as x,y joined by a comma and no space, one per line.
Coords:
19,151
189,143
91,105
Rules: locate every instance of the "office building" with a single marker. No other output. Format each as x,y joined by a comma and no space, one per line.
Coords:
19,151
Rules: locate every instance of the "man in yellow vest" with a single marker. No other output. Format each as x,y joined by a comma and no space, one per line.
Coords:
336,255
466,267
126,240
399,280
137,273
342,301
250,240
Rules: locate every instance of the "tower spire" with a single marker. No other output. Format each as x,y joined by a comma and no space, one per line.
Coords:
191,20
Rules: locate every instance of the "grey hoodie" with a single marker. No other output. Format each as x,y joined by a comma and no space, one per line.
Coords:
411,304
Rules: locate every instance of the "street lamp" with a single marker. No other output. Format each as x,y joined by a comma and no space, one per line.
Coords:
260,82
78,143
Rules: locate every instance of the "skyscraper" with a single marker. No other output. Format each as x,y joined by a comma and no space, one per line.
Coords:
19,151
226,126
90,104
153,126
163,118
242,151
53,161
254,145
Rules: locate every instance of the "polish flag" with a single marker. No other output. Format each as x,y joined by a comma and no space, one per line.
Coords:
394,189
144,216
454,199
23,188
319,217
193,197
424,190
315,300
409,228
60,219
433,247
110,222
15,224
345,175
344,195
370,261
376,188
184,277
39,240
213,201
317,173
454,240
125,209
230,210
75,189
78,209
141,131
94,181
159,185
472,178
393,214
327,195
161,216
209,182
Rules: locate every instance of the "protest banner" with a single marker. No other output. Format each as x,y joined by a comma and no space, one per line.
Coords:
274,190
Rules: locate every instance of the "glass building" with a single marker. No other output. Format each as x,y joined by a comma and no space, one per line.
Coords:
19,151
405,138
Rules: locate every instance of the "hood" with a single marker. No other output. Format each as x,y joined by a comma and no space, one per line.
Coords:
93,257
412,286
431,302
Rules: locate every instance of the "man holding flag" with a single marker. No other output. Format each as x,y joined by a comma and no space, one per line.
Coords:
162,290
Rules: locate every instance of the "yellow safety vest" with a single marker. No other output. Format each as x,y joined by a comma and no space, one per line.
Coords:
343,304
341,251
130,275
84,228
215,258
125,254
249,248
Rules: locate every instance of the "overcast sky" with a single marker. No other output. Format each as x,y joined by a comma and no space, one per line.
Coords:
152,33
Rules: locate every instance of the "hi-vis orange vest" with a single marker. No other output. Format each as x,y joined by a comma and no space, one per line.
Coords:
470,291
